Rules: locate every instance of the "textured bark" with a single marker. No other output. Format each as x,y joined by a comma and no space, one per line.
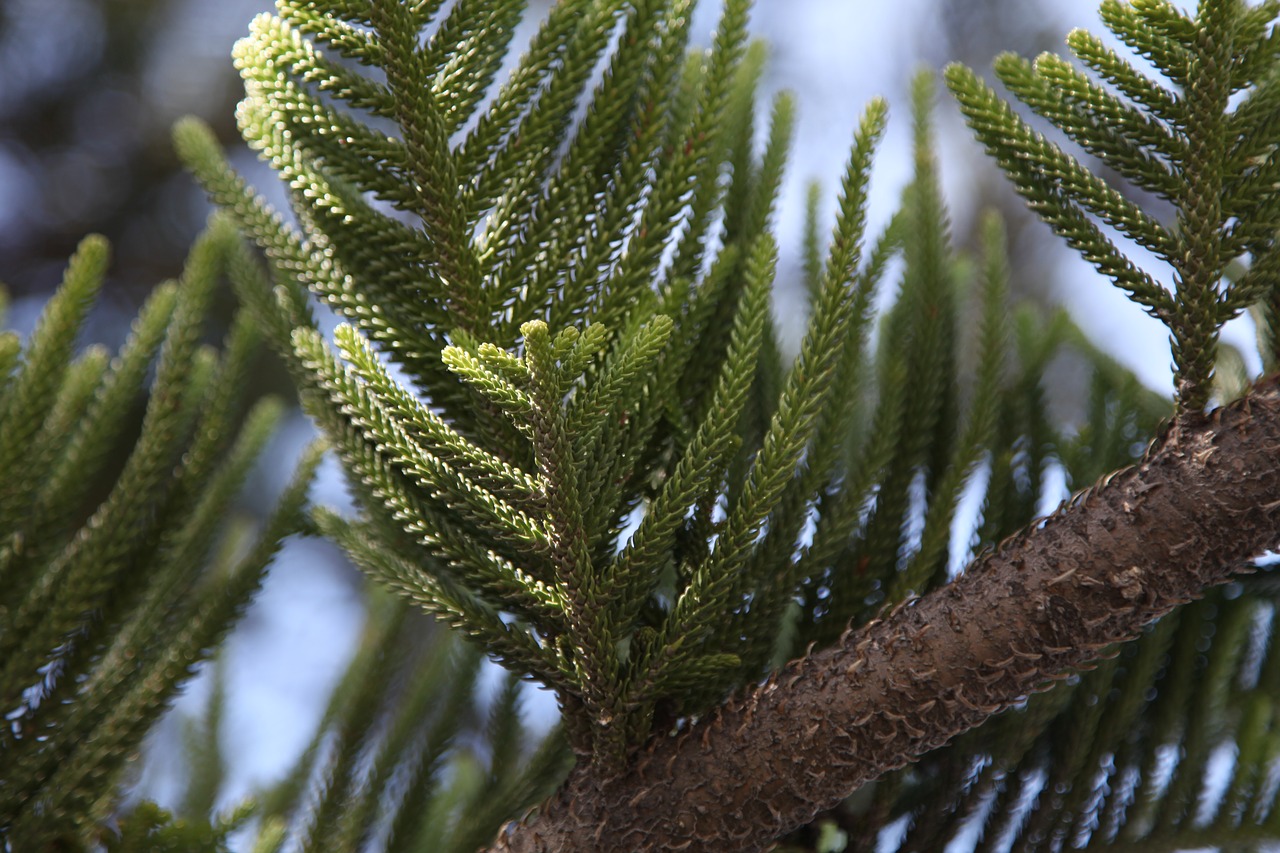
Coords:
1205,498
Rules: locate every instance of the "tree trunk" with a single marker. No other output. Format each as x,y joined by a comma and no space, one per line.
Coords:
1048,600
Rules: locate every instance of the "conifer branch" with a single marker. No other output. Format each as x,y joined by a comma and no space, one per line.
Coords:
604,471
1203,501
102,619
1195,148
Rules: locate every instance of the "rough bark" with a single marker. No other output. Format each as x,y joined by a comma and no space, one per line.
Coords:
1205,499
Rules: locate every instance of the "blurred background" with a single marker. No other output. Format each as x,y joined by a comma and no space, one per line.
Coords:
90,88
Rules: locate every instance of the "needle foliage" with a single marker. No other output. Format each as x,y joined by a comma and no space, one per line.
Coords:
119,571
575,438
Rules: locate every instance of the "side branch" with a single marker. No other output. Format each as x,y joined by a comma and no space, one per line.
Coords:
1203,501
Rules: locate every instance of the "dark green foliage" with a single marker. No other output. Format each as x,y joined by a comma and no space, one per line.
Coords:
562,360
150,829
207,767
108,600
397,756
1203,140
594,460
573,436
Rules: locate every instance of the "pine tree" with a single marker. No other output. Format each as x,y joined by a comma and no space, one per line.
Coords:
574,438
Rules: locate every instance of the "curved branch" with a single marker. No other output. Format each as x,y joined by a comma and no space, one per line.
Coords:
1204,499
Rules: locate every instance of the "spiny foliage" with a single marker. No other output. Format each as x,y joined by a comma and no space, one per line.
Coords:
108,602
552,305
573,436
1202,140
399,756
410,754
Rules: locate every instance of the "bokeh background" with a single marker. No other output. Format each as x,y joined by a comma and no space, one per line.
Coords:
90,88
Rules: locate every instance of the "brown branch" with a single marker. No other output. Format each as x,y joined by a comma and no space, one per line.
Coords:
1204,499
